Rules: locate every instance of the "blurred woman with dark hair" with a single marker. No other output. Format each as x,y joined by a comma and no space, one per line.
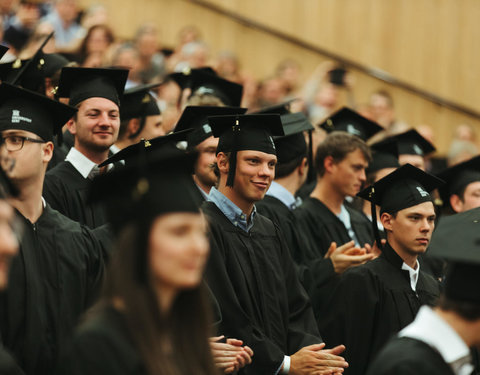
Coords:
94,46
153,317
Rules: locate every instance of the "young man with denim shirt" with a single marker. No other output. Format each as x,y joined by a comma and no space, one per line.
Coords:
250,270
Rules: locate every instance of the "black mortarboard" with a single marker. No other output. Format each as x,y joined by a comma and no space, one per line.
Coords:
159,184
245,132
458,177
292,145
405,187
280,109
206,81
27,73
412,143
384,155
53,63
27,110
33,77
145,148
195,118
457,239
351,122
79,84
139,102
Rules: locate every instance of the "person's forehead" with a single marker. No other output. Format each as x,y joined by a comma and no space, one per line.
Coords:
473,186
258,154
98,103
425,208
24,133
209,142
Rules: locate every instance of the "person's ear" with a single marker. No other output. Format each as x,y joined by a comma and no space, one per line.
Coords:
387,221
456,203
47,151
72,126
133,126
222,163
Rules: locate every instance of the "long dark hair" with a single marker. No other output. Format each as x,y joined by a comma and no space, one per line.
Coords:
82,52
172,343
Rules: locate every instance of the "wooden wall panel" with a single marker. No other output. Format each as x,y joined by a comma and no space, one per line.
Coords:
428,43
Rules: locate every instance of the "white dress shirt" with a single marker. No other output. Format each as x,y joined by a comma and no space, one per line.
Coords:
413,274
431,329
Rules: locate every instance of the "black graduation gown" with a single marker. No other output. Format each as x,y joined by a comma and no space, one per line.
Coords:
261,299
408,356
55,277
8,365
66,190
370,304
102,346
321,227
313,270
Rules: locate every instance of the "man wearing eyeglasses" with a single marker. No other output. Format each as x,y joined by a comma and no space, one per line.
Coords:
60,265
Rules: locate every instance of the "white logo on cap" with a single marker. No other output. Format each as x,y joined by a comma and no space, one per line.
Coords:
207,128
16,118
422,192
418,150
204,90
271,141
353,130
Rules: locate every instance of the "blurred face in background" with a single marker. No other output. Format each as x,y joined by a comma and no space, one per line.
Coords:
178,250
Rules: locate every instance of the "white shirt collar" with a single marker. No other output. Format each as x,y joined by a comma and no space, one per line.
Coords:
114,149
413,274
431,329
81,163
283,195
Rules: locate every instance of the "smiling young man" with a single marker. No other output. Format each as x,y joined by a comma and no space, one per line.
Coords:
250,270
376,300
59,269
202,141
96,93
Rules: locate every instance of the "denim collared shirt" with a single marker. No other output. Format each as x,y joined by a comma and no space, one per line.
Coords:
231,211
283,195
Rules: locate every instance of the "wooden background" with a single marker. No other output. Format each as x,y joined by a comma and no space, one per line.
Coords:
431,44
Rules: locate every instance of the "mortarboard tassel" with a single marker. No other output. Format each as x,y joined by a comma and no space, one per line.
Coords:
233,154
311,169
373,207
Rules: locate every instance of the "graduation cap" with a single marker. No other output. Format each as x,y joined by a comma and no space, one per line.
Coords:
292,145
384,155
79,84
139,102
245,132
23,109
458,177
145,148
412,143
159,184
280,109
405,187
351,122
457,239
195,117
206,81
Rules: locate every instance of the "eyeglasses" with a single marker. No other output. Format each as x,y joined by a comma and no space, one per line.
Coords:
15,142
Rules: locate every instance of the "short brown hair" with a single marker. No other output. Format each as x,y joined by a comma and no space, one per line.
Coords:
338,145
